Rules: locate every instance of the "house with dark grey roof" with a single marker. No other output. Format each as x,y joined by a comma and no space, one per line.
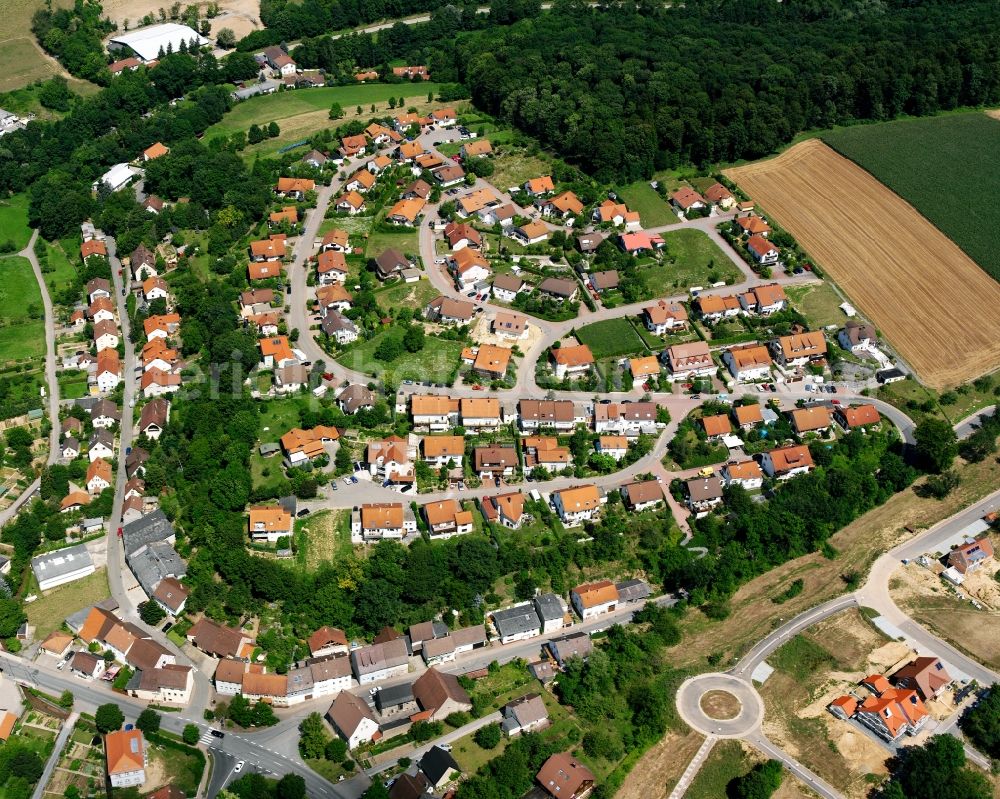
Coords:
149,550
396,700
551,612
524,715
633,591
151,528
439,767
517,623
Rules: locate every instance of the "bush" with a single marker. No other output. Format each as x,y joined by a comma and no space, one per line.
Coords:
336,750
109,717
191,734
488,737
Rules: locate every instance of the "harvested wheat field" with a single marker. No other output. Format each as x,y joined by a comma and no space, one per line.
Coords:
914,283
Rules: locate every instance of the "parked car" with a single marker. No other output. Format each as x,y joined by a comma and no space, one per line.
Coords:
303,512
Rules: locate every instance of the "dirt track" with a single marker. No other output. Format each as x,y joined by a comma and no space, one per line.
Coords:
930,300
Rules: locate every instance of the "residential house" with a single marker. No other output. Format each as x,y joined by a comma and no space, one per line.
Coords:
351,146
687,199
480,413
86,665
156,382
604,281
438,767
333,296
277,352
448,311
480,148
104,414
290,379
551,612
361,181
633,591
102,445
99,476
331,267
412,72
764,300
92,248
494,461
752,226
434,412
339,327
665,317
642,496
142,263
560,288
587,243
105,336
815,419
171,595
439,451
626,418
617,214
615,446
857,416
315,159
572,360
446,518
545,452
301,445
469,267
747,362
748,416
506,509
294,188
508,325
716,426
517,623
529,233
336,240
574,645
153,418
327,641
691,360
563,205
109,371
925,675
101,310
460,235
703,493
713,308
476,201
350,203
355,398
641,368
70,448
373,522
379,662
893,713
762,251
390,459
970,554
353,720
507,287
417,190
270,249
641,242
389,263
858,338
440,694
502,215
594,599
161,326
490,361
526,714
171,684
538,187
279,61
406,212
125,752
562,776
784,463
578,505
269,523
449,175
98,287
719,195
743,473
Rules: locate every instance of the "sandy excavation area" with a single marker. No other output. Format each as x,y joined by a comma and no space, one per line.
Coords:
240,16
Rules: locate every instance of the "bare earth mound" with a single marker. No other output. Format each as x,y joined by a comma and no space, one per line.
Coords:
929,299
720,705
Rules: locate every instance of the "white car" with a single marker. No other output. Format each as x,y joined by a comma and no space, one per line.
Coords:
239,767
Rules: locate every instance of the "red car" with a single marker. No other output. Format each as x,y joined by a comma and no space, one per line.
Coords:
119,532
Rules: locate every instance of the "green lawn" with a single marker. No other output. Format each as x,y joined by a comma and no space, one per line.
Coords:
961,151
48,612
515,168
653,210
404,240
22,335
14,221
611,338
72,384
692,259
265,473
61,271
436,362
818,303
278,416
408,295
281,105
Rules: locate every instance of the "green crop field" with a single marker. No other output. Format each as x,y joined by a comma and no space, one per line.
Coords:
946,167
611,338
281,105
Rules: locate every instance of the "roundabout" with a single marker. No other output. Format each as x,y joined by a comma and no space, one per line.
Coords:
720,705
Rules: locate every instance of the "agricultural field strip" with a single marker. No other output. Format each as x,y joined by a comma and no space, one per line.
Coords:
887,258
